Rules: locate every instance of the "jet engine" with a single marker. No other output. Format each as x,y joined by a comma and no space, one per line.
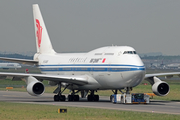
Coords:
34,87
159,87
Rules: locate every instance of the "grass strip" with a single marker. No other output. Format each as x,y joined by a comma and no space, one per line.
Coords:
22,111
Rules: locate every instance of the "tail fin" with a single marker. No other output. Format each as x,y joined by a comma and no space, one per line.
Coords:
43,42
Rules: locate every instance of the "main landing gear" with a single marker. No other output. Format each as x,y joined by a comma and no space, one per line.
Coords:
93,97
73,96
59,96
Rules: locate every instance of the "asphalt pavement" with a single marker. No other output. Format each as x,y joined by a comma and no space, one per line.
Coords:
155,106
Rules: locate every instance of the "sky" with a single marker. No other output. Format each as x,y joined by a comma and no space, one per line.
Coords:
84,25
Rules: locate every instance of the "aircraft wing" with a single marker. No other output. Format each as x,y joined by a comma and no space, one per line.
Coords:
22,61
150,77
167,75
75,79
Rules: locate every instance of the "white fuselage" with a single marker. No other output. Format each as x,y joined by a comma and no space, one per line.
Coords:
114,67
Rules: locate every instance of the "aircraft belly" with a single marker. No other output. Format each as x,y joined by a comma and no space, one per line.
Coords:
113,80
120,80
133,78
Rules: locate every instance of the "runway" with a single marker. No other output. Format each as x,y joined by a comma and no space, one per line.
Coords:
165,107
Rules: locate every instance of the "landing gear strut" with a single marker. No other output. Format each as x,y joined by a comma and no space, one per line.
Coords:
115,92
93,97
128,90
59,96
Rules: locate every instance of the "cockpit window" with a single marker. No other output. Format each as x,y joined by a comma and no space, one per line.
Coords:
129,52
134,52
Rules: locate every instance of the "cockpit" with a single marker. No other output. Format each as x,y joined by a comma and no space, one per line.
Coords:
129,52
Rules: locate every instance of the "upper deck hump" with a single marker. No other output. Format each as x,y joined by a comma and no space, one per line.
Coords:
111,49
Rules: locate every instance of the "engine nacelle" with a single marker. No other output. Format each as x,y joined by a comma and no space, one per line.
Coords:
34,87
160,88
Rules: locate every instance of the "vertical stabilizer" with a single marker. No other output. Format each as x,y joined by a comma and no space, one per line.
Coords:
43,42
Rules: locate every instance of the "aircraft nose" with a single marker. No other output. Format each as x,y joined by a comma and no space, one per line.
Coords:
136,60
138,64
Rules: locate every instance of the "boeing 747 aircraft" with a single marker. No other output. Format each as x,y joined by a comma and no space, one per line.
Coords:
107,68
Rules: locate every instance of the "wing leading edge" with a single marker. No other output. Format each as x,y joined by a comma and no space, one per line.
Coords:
149,77
171,74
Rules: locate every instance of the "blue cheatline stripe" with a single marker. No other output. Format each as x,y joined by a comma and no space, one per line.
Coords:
92,65
79,69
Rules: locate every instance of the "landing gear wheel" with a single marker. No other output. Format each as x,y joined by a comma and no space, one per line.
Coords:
90,98
59,98
56,98
70,97
63,98
76,97
96,97
93,98
73,97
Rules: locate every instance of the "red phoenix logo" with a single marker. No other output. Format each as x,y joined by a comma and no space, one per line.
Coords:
104,60
39,32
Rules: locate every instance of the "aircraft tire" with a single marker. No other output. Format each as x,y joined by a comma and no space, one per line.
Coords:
76,97
70,98
56,98
90,98
63,98
96,97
